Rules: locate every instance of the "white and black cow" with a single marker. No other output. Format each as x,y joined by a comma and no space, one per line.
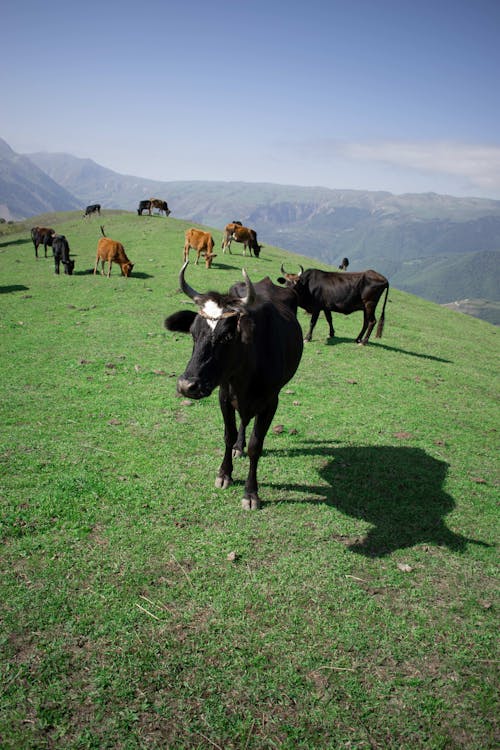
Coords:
94,208
249,343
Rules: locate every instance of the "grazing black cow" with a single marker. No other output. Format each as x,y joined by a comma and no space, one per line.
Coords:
344,264
144,206
342,293
60,249
42,236
94,208
161,205
249,343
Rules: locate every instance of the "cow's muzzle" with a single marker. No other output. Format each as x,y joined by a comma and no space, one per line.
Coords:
192,388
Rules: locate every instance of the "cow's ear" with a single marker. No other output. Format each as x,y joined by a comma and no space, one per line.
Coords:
180,321
245,327
281,280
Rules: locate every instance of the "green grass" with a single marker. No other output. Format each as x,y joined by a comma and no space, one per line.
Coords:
360,610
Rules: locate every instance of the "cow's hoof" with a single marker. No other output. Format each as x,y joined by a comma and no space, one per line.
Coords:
223,482
237,453
251,503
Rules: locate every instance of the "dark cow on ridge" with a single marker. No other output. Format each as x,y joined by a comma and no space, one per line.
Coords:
238,233
144,206
342,293
162,206
202,242
94,208
42,236
344,264
249,344
60,249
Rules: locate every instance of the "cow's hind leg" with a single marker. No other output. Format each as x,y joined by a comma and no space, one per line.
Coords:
328,316
239,446
369,321
251,499
225,474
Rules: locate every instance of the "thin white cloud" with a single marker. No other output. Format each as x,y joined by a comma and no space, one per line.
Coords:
478,165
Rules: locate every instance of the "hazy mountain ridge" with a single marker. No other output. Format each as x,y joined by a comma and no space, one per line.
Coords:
26,189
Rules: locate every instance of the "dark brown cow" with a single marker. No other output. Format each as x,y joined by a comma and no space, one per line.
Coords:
113,252
202,242
235,231
160,205
342,293
42,236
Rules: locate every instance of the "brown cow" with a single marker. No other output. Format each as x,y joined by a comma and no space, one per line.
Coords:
161,205
235,231
113,252
202,242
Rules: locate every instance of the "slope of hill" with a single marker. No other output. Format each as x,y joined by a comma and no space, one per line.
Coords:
142,608
26,189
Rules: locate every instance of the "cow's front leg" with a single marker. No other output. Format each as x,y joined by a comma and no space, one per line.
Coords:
224,477
251,499
314,320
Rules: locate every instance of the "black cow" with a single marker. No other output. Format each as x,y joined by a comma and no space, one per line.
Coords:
60,249
344,264
42,236
342,293
144,206
95,208
249,343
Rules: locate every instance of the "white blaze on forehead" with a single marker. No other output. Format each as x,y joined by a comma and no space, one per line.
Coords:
212,312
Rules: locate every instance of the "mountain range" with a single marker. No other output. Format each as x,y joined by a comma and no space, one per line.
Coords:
440,247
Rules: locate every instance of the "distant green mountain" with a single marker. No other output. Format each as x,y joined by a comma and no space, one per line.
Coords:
26,190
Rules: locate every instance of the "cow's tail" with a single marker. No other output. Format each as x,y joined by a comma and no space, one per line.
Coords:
102,230
380,327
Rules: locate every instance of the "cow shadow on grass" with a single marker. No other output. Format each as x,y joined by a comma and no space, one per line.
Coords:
13,288
339,340
398,490
133,275
15,242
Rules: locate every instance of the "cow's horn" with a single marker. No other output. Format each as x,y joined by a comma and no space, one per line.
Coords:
192,293
250,296
283,270
301,269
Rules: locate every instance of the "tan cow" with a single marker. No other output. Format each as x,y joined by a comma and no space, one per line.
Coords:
113,252
202,242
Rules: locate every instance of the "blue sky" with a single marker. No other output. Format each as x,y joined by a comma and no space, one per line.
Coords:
391,95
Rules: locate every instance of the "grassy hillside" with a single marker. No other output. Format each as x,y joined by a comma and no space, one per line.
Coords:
141,607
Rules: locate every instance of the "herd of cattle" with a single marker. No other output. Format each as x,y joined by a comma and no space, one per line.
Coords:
247,342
